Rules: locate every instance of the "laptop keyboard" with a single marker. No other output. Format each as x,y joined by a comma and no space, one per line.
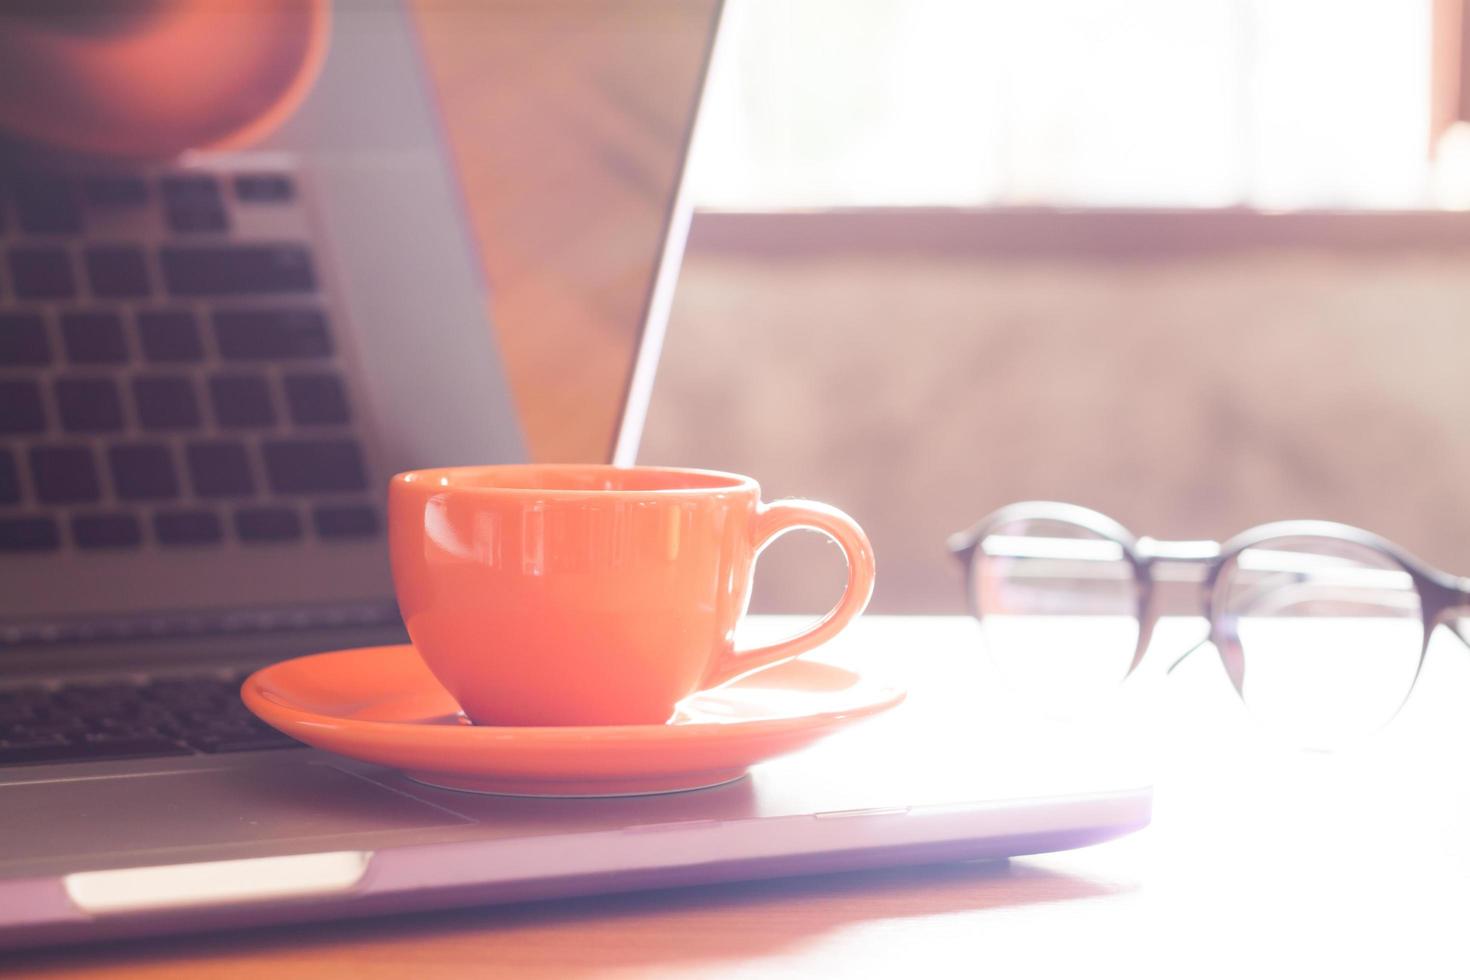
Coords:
96,722
169,375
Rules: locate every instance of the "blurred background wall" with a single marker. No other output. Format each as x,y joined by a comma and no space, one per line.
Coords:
1189,373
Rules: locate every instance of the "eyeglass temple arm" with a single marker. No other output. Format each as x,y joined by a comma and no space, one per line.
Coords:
1454,610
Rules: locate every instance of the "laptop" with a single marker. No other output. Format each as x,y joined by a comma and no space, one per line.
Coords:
208,370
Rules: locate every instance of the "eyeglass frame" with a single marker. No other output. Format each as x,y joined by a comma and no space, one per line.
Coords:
1441,594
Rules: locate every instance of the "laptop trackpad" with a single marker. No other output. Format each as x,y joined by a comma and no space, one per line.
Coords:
233,806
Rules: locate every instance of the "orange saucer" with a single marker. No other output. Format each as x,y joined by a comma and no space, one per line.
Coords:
381,705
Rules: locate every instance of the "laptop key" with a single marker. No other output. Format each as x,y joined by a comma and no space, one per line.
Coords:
108,720
182,692
187,187
25,740
42,273
115,191
117,717
23,340
137,715
89,404
192,203
197,217
345,521
241,401
256,742
264,188
236,270
117,271
26,698
126,728
9,478
265,524
112,746
143,471
29,534
220,469
106,531
314,466
316,399
217,717
21,410
170,336
186,527
45,205
95,696
271,335
94,338
221,731
42,728
65,474
90,750
166,402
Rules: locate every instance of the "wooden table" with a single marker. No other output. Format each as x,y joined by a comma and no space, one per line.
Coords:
1260,861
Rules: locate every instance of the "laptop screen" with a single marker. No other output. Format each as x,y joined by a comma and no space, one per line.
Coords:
210,366
570,161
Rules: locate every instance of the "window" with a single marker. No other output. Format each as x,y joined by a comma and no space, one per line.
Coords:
1272,104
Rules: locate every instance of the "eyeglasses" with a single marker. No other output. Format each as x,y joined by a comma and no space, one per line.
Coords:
1321,627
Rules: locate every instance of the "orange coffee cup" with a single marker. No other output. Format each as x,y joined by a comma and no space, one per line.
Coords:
593,595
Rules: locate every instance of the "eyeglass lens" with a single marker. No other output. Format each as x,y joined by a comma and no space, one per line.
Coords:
1329,633
1059,607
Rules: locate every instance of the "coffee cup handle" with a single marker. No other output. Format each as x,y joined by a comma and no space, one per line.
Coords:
772,521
